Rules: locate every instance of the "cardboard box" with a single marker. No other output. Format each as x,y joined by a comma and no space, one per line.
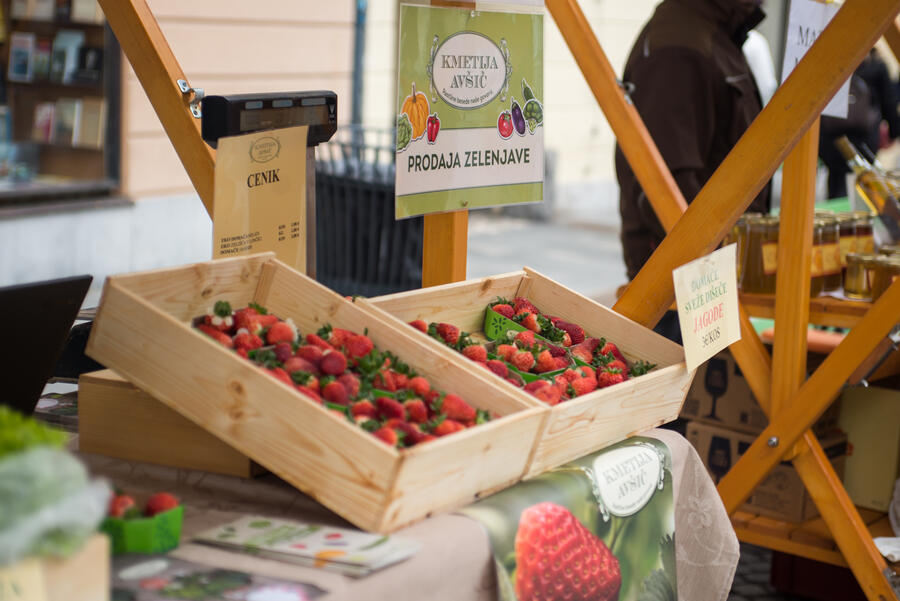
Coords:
871,419
781,495
721,396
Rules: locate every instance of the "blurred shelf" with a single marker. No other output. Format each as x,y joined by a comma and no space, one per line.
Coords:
62,89
63,146
55,23
14,192
823,310
810,539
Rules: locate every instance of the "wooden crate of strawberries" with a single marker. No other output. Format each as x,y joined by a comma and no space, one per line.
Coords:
307,384
604,376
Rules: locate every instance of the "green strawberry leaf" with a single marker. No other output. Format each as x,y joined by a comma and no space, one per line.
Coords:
222,308
264,357
259,308
370,425
656,587
640,367
324,332
482,416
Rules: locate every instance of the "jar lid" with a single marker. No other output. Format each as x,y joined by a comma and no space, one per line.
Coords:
863,215
824,220
863,258
889,249
889,261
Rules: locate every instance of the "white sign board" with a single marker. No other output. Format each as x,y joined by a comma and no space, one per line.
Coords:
806,21
707,299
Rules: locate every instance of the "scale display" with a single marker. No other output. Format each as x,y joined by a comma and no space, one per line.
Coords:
247,113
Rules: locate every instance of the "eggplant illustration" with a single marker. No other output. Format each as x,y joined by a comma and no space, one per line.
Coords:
517,117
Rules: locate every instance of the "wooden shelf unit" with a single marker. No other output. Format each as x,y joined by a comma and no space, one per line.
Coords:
823,310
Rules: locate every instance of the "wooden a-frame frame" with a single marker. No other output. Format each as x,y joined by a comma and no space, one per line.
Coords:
786,123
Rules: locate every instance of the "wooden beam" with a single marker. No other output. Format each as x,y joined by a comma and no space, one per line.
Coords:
638,147
840,514
444,247
892,37
158,70
810,402
743,173
792,280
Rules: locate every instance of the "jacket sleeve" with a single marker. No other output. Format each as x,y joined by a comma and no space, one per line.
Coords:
674,94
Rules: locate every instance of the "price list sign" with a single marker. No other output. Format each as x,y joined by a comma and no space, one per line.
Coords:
706,295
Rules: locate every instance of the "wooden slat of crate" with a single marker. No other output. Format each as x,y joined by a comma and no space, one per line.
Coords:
82,577
587,423
771,527
815,532
147,338
117,419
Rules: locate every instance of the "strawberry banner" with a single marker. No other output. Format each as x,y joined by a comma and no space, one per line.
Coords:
469,109
601,528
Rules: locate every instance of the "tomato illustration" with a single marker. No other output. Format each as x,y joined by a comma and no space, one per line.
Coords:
505,125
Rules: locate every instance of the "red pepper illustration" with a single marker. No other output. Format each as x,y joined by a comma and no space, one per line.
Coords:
432,127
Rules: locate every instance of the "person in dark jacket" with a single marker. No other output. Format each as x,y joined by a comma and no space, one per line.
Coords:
697,96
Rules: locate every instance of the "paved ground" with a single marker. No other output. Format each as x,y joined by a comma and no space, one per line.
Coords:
751,582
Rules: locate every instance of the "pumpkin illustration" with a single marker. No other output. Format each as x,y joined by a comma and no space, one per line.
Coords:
416,108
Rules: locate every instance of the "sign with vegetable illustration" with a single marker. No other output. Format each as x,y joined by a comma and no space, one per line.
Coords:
600,528
469,113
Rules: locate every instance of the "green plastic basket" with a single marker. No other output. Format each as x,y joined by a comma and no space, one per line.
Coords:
158,534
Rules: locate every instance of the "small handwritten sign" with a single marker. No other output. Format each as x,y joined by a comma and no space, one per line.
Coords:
706,294
806,21
23,581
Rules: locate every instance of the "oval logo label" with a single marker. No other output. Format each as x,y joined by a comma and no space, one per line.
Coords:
627,478
264,149
469,70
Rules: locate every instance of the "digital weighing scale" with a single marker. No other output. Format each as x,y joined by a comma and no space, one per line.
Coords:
247,113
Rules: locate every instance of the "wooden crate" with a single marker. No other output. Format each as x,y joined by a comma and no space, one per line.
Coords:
84,576
117,419
586,423
143,332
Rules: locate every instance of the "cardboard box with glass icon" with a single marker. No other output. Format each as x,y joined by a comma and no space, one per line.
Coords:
720,396
782,494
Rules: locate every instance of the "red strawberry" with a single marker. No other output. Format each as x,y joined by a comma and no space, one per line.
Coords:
358,346
267,320
223,324
449,332
221,338
247,318
307,381
523,360
609,378
298,364
282,375
523,304
412,434
515,382
575,331
561,362
419,386
591,343
334,392
419,325
339,337
588,372
365,408
558,558
571,375
247,342
119,505
475,352
505,351
525,339
160,502
416,410
311,353
384,380
609,347
388,435
389,408
582,352
545,362
457,409
557,351
401,381
311,393
243,353
281,332
583,386
448,426
498,367
316,340
536,385
333,363
616,364
504,310
530,321
350,382
283,351
550,395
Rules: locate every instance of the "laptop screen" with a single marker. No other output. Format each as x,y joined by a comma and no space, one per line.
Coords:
37,318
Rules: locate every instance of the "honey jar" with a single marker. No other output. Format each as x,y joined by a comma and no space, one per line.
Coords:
846,235
887,270
889,249
865,240
859,276
830,252
758,275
